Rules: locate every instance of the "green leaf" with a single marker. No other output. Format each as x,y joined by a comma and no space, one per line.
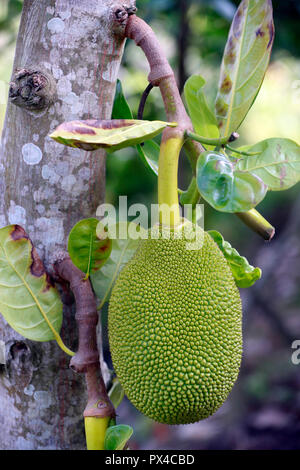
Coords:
111,135
122,252
28,300
203,119
116,393
88,251
149,153
245,61
121,109
226,189
116,437
244,274
278,164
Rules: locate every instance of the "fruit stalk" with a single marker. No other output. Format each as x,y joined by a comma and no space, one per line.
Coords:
169,213
162,75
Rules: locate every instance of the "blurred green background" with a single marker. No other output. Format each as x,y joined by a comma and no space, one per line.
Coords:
263,410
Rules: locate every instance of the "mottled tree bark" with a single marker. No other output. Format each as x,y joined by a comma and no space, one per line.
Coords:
75,47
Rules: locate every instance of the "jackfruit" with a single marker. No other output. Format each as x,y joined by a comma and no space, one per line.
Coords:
175,328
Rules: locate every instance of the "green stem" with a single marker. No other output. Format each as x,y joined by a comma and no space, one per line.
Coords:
189,200
191,195
95,430
63,346
258,223
204,140
169,213
240,152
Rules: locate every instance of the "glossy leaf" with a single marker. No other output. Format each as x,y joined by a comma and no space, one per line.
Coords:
111,135
245,61
116,393
226,189
278,164
121,109
203,119
116,437
149,153
122,251
88,248
28,300
244,274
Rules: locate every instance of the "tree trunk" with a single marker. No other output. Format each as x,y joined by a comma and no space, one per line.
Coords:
74,46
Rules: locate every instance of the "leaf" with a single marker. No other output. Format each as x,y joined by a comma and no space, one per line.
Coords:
88,251
244,274
149,153
122,252
116,437
203,119
226,189
28,300
278,164
116,393
111,135
245,61
121,109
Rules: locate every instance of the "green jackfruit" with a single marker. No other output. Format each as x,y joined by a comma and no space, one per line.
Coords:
175,329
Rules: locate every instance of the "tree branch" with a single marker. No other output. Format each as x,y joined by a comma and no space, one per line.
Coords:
86,359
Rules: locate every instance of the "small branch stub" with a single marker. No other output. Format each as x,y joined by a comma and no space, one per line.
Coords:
32,88
121,15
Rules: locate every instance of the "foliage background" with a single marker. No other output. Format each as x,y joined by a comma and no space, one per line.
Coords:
263,410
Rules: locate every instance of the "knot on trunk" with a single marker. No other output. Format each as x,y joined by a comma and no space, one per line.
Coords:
33,89
121,14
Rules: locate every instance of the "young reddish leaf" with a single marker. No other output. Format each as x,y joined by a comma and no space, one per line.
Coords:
224,188
245,60
87,249
111,135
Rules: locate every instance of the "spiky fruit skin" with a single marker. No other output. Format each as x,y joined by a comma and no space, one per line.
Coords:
175,330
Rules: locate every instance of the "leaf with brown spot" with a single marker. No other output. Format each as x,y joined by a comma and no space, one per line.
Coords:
28,301
89,246
111,135
245,61
277,164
